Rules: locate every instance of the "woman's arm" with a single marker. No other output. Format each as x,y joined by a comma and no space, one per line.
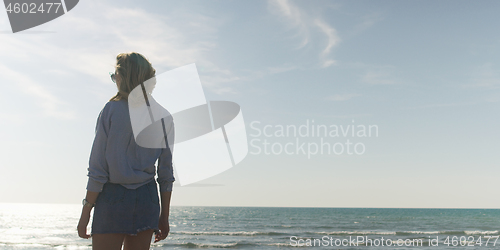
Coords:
166,179
165,211
85,216
97,170
165,166
165,203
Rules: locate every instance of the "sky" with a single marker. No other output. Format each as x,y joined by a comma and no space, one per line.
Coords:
426,76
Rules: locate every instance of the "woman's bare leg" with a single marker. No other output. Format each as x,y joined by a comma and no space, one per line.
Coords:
140,242
107,241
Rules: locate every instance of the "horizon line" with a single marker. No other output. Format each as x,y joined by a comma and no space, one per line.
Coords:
46,203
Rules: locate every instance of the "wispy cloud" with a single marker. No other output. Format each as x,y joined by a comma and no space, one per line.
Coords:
295,18
441,105
313,115
382,75
332,40
281,69
367,22
12,118
341,97
493,98
91,42
252,75
305,24
484,76
51,105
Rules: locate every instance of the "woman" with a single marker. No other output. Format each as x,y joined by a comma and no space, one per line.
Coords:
121,185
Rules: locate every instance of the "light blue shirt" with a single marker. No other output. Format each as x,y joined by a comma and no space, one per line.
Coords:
116,158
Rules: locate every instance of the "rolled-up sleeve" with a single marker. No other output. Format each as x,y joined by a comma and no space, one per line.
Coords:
165,167
98,171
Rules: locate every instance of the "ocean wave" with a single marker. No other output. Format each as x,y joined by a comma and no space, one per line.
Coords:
407,233
480,232
419,232
214,245
27,245
238,233
356,233
340,233
460,232
279,245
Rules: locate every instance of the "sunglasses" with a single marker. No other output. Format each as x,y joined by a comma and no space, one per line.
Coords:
113,76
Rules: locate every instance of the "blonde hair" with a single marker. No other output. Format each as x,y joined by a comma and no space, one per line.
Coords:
133,69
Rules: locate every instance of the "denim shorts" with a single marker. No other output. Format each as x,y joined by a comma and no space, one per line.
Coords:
126,211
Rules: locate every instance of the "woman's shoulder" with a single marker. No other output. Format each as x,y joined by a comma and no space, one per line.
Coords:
115,104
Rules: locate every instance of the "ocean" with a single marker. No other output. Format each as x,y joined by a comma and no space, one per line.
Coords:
53,226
